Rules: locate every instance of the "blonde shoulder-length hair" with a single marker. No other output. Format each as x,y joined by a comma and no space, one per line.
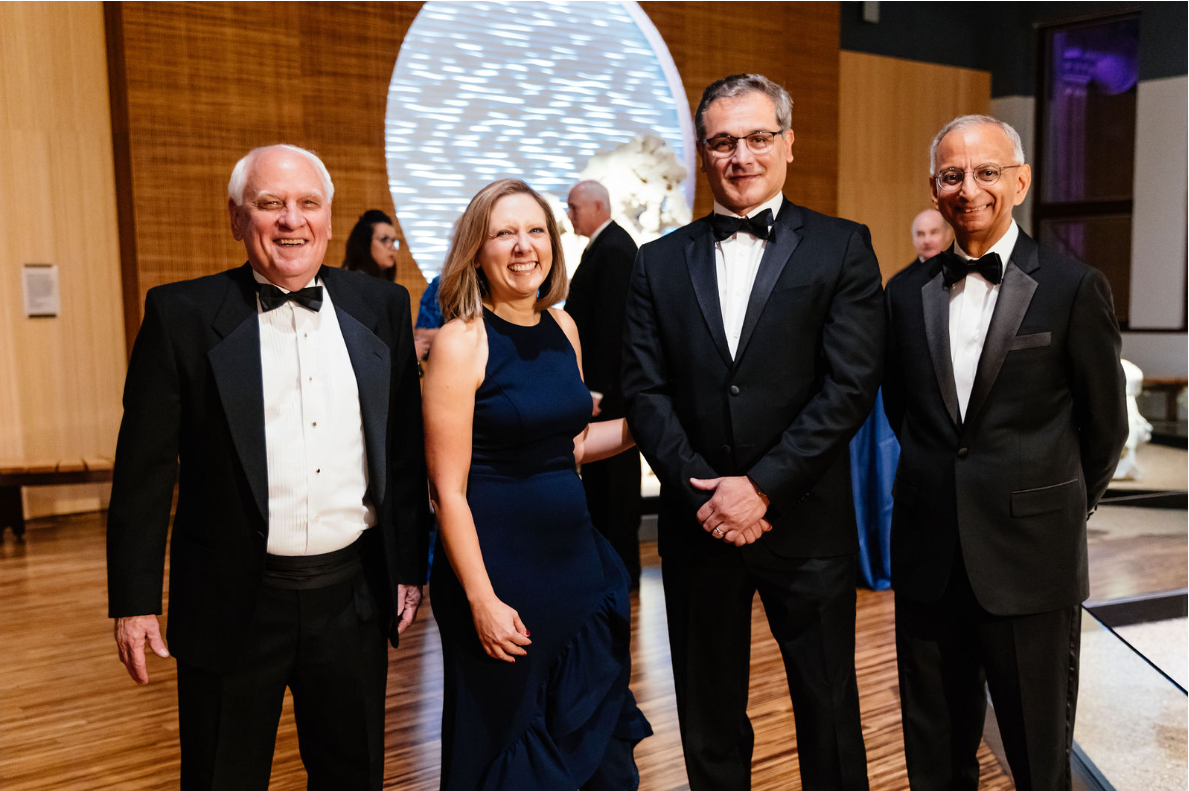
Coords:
463,285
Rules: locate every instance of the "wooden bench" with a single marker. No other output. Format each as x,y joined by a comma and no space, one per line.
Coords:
1170,388
15,474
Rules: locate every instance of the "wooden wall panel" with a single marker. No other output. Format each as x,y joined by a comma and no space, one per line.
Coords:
793,44
205,82
888,111
60,378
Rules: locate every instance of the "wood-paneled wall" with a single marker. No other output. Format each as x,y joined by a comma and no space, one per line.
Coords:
205,82
888,111
793,44
60,378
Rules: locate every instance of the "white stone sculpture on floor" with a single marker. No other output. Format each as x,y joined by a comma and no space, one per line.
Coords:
1140,430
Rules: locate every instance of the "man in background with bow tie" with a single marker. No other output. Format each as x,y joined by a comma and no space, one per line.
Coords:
283,396
753,353
1005,389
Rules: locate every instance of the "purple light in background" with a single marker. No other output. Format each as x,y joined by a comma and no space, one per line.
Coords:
1106,56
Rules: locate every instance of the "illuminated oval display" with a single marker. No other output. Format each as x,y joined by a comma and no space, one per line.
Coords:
531,90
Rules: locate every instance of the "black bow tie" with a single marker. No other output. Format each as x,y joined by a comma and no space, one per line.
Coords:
954,267
758,226
272,297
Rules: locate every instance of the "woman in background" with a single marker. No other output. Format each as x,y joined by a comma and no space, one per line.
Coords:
371,247
506,418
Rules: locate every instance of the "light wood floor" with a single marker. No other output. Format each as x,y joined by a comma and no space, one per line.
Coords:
70,718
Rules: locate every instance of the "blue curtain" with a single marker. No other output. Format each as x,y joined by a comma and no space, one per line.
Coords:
874,453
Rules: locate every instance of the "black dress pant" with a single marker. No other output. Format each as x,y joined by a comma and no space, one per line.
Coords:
946,650
613,499
810,604
327,646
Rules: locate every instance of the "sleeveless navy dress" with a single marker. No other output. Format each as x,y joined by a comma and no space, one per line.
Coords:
561,718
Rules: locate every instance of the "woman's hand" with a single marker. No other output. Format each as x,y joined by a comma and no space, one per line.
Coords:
501,632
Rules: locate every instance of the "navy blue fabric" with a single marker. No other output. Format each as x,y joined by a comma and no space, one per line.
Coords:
562,716
874,453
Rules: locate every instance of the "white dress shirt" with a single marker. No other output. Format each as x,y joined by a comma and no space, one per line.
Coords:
736,262
597,231
972,303
313,432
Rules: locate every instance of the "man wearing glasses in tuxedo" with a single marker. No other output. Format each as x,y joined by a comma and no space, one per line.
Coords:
753,351
1005,389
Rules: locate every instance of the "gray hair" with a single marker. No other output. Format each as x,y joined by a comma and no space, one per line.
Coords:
239,174
967,121
738,84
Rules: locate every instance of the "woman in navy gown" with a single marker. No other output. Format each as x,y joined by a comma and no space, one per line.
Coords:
531,601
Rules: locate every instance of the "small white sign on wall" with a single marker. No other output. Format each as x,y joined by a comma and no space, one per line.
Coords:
40,282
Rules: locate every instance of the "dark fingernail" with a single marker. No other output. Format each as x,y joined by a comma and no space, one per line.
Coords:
527,633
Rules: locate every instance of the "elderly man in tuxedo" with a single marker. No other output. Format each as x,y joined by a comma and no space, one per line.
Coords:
1005,388
753,353
283,397
598,294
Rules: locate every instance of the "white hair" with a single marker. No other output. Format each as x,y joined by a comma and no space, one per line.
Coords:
967,121
239,174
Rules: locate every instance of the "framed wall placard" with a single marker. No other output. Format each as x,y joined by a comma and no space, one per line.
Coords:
40,285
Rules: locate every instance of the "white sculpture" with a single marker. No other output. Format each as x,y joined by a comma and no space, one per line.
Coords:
1139,430
643,177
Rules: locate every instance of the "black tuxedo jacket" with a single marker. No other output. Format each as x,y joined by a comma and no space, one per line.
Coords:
194,399
597,299
1009,486
803,379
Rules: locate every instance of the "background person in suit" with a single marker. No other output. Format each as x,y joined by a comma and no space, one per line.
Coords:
930,234
286,394
598,295
753,352
1005,388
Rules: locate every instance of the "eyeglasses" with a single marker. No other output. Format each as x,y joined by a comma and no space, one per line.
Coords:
986,174
385,241
757,143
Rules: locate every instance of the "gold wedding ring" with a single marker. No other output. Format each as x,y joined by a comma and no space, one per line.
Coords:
718,532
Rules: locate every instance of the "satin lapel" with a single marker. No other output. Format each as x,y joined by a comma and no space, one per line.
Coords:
699,258
371,359
776,254
935,301
1015,295
235,364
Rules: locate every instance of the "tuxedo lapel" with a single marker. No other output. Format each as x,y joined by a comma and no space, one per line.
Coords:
235,364
935,302
371,360
1015,295
699,258
777,253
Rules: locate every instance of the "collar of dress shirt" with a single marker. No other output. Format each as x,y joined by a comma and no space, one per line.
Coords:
773,203
264,281
1003,247
598,231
